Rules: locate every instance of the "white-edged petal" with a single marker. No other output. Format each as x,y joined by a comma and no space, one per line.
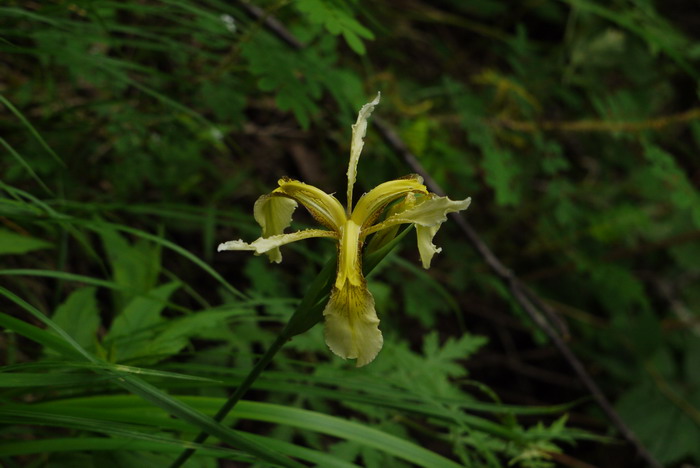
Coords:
359,130
427,215
263,245
235,245
428,212
426,248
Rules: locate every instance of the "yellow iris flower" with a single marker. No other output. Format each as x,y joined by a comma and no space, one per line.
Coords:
351,323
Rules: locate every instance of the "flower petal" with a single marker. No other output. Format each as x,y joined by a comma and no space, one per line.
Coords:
274,214
265,244
372,203
351,325
349,263
325,208
426,248
427,215
359,130
427,212
383,237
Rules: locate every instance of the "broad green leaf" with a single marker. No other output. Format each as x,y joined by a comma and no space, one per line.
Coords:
79,316
134,267
133,333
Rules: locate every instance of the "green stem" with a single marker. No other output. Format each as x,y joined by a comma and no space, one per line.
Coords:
236,396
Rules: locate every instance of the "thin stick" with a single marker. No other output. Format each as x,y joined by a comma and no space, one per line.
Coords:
524,297
236,396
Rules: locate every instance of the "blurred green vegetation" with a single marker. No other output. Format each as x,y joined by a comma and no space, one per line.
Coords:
136,135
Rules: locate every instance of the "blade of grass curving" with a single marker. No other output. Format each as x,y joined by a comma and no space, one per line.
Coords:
349,430
129,432
17,375
380,393
26,165
36,334
94,444
31,129
128,409
62,275
154,395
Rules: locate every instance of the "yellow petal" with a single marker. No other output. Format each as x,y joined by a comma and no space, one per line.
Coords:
265,244
325,208
371,205
426,248
359,130
349,263
385,236
274,214
427,214
351,325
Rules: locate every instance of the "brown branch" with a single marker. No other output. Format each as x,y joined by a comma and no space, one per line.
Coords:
599,125
536,309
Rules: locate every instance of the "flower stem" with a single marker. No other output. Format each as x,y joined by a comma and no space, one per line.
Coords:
236,396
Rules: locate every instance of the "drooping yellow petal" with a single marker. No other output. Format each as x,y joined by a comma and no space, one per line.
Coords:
263,245
274,214
351,326
325,208
426,248
372,203
359,130
427,214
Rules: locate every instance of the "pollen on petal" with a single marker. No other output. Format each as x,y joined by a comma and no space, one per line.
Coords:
351,325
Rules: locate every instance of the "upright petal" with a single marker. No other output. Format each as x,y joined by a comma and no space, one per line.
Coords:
351,326
359,130
274,214
325,208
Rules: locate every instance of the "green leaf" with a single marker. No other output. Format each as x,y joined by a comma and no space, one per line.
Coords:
134,267
663,426
79,316
134,332
338,20
290,74
13,243
501,170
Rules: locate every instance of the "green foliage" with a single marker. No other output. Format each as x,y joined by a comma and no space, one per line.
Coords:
337,19
14,243
79,316
137,135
